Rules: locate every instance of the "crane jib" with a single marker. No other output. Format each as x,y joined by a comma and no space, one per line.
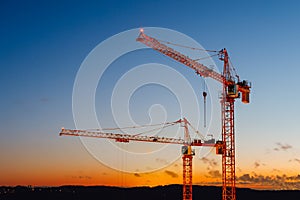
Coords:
127,137
199,68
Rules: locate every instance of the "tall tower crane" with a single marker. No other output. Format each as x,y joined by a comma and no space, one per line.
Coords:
187,144
232,88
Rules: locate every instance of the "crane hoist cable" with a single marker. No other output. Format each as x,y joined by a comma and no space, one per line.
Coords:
206,57
132,127
193,48
160,127
184,46
155,129
196,131
233,69
204,91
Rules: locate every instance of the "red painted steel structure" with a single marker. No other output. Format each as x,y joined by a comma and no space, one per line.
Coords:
231,90
187,158
187,142
187,177
228,139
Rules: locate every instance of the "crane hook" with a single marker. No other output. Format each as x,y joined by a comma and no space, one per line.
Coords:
204,110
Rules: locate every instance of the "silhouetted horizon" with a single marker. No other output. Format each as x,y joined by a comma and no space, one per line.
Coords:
172,191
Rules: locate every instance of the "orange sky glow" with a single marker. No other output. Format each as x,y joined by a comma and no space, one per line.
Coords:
85,170
60,69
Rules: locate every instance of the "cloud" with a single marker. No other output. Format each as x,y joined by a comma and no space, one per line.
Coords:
256,165
215,174
163,161
172,174
295,178
276,170
211,162
245,177
297,160
275,181
82,177
283,147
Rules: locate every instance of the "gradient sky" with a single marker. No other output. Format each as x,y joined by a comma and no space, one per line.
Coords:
43,44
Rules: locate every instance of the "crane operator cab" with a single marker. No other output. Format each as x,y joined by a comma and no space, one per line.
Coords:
232,90
187,150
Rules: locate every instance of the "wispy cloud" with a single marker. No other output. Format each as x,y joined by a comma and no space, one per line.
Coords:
211,162
295,178
148,181
82,177
172,174
276,170
275,181
258,164
245,177
163,161
215,173
297,160
283,147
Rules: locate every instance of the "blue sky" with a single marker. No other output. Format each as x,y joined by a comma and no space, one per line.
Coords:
43,44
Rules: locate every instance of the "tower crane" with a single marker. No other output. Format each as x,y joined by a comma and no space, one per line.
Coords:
232,88
186,150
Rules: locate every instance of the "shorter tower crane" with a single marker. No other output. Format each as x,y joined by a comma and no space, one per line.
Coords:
186,150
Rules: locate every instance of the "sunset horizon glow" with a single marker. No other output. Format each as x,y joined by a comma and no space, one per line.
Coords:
45,44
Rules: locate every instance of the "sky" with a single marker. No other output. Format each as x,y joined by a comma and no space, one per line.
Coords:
44,44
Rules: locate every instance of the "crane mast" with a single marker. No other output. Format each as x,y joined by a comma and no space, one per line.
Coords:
228,136
231,90
187,158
